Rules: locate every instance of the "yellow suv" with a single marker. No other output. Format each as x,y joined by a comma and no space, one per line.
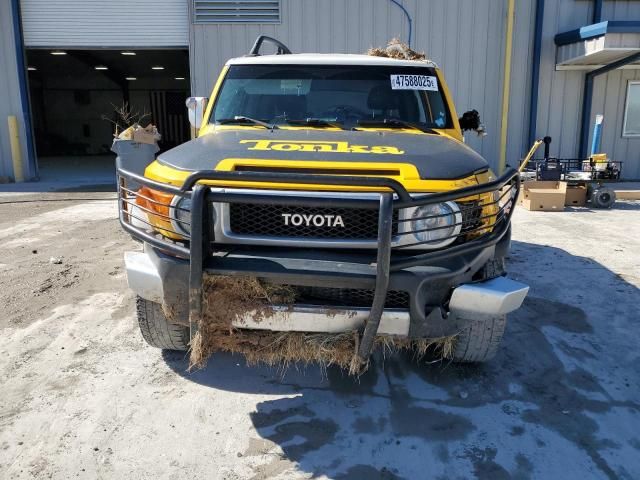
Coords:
342,177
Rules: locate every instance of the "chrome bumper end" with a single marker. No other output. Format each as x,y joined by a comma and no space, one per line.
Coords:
494,297
143,276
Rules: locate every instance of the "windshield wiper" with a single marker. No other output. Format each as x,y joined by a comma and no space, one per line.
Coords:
394,123
315,122
243,119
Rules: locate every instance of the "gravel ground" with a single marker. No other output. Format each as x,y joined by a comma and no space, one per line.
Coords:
84,397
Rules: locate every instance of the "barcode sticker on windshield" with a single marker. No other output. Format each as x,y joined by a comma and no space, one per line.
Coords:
414,82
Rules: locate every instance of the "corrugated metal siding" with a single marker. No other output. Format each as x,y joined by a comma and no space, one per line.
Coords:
465,38
621,10
96,23
609,99
10,98
610,95
560,92
560,100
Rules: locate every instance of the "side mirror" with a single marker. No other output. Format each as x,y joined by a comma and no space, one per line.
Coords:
471,121
196,107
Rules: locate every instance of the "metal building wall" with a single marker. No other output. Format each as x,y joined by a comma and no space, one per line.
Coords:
10,97
609,96
100,24
560,100
465,38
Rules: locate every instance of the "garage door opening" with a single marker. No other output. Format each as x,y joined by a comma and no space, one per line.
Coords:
75,95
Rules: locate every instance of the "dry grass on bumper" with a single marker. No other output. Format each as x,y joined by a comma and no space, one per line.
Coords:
227,299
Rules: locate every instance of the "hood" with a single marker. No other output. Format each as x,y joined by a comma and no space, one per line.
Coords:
436,157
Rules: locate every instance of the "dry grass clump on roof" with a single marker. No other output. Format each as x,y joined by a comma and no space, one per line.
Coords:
397,49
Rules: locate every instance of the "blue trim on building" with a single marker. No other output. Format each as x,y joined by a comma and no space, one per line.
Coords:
535,71
32,170
582,33
597,137
597,11
406,13
597,30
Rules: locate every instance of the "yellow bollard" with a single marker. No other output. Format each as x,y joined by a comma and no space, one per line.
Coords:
506,85
16,152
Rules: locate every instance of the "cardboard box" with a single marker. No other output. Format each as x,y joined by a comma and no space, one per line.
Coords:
576,196
545,196
622,193
136,133
143,136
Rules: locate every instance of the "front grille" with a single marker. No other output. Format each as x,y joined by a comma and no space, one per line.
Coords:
269,221
471,215
351,297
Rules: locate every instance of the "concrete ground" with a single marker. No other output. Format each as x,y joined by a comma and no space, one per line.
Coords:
84,397
81,172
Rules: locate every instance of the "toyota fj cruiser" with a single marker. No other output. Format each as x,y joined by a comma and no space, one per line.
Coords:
344,177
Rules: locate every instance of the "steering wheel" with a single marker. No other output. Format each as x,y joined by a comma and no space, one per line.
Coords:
344,113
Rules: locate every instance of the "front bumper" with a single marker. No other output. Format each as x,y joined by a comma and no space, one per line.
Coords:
442,296
430,278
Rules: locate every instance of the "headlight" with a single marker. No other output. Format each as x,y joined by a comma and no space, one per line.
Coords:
181,215
436,225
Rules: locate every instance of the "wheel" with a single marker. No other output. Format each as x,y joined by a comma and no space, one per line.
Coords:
156,330
479,342
603,197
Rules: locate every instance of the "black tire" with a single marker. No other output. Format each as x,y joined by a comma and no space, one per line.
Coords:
603,197
156,330
479,342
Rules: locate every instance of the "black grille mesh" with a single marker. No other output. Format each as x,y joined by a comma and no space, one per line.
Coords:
352,297
268,221
471,215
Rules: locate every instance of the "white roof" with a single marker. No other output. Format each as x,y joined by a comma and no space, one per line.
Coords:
327,59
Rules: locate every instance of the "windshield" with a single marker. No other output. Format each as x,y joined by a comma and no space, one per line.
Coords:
329,95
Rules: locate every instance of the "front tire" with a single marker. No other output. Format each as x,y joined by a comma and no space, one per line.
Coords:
480,340
157,330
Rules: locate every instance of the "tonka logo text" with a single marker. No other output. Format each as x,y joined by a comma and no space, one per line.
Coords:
318,146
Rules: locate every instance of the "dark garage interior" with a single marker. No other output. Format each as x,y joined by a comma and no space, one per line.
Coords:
75,94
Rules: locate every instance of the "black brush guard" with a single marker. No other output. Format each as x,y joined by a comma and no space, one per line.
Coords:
199,248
